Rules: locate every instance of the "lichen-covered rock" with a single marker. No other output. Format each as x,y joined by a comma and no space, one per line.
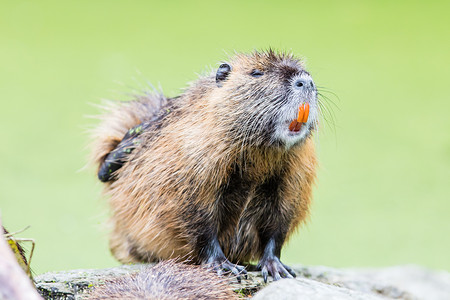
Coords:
402,282
72,284
76,284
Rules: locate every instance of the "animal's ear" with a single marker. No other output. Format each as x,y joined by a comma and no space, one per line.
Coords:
222,73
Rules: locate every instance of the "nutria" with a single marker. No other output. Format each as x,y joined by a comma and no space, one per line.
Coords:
215,174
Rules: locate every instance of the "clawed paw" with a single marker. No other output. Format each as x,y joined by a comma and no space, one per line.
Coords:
224,266
274,267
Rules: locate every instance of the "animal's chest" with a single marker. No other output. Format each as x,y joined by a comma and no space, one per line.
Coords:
245,203
243,194
234,197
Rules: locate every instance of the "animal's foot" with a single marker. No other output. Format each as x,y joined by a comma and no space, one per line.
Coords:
224,266
274,267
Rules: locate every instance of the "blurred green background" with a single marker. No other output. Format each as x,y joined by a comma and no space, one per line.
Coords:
383,192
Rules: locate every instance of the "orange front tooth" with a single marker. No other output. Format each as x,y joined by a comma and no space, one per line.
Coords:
305,116
301,112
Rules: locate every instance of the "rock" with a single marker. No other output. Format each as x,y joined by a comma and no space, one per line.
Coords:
306,289
316,282
420,282
399,282
73,284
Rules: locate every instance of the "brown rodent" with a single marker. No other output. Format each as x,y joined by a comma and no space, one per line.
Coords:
214,174
166,281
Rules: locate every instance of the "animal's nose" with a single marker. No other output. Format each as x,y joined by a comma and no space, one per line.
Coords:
303,83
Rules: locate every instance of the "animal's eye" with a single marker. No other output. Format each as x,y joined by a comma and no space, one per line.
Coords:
256,73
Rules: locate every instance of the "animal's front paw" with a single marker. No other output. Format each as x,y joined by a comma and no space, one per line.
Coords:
224,266
274,267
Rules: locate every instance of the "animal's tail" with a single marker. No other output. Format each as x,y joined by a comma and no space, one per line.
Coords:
116,121
166,280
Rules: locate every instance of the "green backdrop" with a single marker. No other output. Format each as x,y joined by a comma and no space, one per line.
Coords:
382,196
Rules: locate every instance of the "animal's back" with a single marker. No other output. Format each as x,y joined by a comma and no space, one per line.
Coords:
119,117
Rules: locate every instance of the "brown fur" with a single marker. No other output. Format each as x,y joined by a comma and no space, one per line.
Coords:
168,190
166,281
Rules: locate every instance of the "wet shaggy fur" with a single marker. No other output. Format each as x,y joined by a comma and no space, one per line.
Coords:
211,165
166,281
